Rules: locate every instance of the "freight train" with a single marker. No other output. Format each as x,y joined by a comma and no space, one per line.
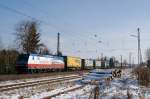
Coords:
29,63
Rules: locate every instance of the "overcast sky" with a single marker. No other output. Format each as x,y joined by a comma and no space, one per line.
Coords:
82,24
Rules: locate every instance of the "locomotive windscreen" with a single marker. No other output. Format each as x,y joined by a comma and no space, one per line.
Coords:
22,59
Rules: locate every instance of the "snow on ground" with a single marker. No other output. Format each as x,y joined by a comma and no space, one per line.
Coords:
117,88
27,92
53,92
95,76
83,93
102,70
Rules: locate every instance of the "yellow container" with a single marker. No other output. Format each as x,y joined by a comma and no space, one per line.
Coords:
73,62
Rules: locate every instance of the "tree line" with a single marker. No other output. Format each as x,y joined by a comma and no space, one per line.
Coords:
27,39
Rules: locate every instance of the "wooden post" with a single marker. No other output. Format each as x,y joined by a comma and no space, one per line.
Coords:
96,92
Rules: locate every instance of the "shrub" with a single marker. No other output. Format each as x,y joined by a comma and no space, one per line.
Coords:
142,74
8,60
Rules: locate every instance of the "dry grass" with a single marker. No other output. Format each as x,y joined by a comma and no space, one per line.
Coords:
107,82
129,94
21,97
27,76
141,97
142,74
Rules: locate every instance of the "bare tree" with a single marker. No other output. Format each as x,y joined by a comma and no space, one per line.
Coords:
111,62
28,37
125,62
8,60
147,54
45,51
1,44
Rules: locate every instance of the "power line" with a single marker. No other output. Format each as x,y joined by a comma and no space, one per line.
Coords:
39,9
46,14
26,15
23,14
15,11
33,18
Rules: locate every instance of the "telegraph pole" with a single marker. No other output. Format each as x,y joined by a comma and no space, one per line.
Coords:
58,43
121,60
130,59
139,49
101,55
139,55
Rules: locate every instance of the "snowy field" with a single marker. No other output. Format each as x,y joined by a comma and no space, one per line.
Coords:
116,89
119,88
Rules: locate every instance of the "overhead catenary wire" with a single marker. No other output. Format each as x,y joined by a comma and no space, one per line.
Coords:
39,20
28,16
40,10
46,14
15,11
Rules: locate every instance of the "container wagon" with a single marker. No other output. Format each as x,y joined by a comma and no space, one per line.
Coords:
88,63
98,64
72,63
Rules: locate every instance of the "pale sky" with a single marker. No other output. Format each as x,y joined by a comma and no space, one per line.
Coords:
78,21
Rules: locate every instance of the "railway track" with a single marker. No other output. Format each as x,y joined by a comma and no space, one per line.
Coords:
75,88
34,83
65,91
